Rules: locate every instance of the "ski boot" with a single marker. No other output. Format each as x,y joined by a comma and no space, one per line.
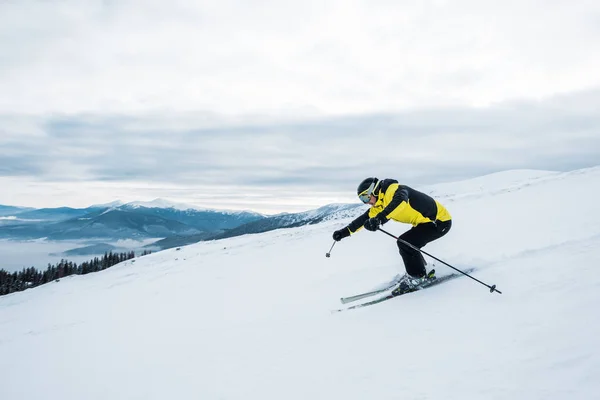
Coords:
409,283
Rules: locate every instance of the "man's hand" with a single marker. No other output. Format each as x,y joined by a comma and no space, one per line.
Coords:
372,224
342,233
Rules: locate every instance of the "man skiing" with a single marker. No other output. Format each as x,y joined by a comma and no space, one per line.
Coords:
390,200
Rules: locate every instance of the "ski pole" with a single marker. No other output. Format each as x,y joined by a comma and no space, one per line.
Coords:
492,288
328,254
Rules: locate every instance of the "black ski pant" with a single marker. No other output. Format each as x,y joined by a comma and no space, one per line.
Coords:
419,236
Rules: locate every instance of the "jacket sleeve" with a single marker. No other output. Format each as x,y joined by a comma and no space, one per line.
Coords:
358,222
400,195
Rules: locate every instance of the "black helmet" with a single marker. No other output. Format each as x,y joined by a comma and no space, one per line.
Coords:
367,188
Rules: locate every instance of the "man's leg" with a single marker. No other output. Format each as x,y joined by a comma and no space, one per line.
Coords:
419,236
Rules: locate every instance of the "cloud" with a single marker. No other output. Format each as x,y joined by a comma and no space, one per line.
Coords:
288,57
318,159
269,102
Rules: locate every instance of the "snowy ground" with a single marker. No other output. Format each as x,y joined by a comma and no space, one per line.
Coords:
249,317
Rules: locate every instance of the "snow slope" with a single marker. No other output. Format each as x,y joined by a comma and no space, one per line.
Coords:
249,317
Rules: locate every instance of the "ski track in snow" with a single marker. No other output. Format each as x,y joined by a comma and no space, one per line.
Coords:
249,317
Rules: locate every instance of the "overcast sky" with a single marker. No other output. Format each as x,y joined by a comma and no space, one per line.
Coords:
286,105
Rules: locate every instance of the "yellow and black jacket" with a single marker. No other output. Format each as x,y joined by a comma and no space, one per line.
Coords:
403,204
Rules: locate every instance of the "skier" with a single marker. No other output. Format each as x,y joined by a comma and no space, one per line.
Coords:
390,200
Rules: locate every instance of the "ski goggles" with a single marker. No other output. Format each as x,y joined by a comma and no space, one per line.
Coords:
365,196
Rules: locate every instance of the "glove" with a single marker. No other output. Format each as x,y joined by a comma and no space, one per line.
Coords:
342,233
372,224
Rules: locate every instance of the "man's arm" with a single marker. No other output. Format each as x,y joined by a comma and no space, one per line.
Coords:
358,222
400,195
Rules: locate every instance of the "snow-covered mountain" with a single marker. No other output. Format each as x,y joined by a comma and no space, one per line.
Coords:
134,220
163,203
249,317
265,224
6,211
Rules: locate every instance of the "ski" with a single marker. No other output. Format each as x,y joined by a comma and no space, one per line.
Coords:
350,299
360,296
389,296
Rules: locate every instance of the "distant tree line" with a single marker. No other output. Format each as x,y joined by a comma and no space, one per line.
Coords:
31,277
